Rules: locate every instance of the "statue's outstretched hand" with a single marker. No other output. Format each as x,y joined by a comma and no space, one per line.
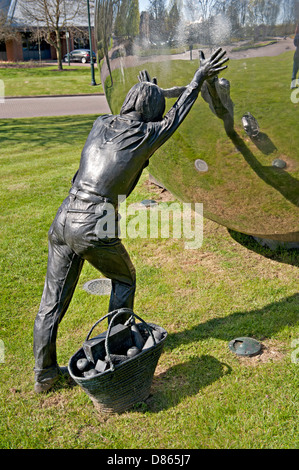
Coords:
214,65
144,76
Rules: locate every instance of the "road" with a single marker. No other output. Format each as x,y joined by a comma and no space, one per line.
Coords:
53,106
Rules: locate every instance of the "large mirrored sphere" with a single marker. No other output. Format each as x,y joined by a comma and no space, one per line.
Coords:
240,159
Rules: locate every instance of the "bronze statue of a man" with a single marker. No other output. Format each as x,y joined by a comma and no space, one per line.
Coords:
116,152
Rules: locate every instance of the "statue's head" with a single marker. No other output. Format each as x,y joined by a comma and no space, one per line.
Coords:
147,99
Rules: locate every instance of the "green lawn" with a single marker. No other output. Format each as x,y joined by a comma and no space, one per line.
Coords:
49,81
203,396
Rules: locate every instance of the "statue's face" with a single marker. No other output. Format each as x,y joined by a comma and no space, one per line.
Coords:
248,182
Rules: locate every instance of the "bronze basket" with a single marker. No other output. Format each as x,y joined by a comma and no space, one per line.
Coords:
123,385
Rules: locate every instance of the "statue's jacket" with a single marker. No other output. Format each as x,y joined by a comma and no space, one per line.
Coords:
118,148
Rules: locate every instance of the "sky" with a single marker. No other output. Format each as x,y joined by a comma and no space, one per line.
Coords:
143,4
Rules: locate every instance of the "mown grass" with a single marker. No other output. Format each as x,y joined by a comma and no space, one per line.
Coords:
253,45
25,81
203,396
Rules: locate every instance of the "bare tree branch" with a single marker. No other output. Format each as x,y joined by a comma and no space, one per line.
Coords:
51,17
7,31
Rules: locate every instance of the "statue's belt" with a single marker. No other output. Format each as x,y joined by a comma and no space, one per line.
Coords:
88,197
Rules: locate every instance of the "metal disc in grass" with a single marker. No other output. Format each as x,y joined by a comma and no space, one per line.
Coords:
149,203
201,165
245,346
98,287
279,163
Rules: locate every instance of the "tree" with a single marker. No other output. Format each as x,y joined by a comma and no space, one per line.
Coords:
289,15
105,14
263,13
206,8
120,27
7,31
158,20
173,20
133,19
51,17
127,19
236,11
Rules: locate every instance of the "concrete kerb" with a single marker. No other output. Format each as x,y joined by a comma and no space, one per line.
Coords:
53,96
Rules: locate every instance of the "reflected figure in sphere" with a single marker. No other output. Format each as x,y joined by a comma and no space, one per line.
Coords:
295,82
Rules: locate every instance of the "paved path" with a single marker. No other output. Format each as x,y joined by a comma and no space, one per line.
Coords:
53,106
97,104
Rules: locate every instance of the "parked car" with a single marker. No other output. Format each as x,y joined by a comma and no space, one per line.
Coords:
80,55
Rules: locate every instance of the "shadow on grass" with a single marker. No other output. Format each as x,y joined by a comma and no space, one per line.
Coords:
264,144
279,179
280,254
47,131
187,379
258,323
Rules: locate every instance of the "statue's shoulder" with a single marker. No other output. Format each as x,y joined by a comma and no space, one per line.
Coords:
103,118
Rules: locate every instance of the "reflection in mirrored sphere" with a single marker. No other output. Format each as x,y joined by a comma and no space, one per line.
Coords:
237,151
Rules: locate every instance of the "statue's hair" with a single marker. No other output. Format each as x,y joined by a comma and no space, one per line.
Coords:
147,99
